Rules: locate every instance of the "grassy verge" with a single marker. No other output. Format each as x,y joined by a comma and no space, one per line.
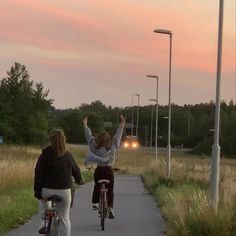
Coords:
184,198
17,206
186,207
17,202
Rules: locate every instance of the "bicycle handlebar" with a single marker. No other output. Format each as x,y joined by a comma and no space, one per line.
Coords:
89,168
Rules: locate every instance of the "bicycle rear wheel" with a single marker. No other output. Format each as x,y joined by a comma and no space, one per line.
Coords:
52,229
103,211
48,232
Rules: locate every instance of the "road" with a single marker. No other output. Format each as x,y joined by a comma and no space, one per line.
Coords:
136,213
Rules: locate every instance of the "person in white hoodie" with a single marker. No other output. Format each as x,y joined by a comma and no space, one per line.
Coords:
102,150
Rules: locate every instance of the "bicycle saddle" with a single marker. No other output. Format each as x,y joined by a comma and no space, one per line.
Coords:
103,181
54,198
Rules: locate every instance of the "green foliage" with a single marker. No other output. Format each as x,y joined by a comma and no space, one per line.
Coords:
24,108
228,129
203,147
95,122
191,125
71,122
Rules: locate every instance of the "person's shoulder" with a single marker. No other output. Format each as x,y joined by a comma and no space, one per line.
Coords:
47,151
69,155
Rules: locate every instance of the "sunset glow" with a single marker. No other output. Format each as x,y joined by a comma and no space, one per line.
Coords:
88,50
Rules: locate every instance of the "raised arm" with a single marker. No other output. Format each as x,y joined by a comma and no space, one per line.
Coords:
117,137
88,134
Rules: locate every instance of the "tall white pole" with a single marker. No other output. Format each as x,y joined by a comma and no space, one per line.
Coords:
156,119
153,100
215,162
137,115
168,165
151,128
156,133
132,116
169,118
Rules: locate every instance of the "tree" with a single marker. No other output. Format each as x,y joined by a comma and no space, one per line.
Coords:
24,107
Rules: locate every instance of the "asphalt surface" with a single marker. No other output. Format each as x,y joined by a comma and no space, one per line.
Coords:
136,213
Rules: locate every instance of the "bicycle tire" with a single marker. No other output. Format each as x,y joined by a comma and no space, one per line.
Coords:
103,211
48,231
52,229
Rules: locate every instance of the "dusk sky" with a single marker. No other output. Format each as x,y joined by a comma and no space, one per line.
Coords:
87,50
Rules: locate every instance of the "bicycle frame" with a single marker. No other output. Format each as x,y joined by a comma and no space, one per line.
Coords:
51,218
103,205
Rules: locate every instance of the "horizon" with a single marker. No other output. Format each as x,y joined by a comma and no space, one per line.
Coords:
153,104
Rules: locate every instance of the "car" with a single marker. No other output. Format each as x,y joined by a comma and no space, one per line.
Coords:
130,142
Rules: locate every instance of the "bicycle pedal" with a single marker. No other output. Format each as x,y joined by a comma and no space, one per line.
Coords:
94,208
42,230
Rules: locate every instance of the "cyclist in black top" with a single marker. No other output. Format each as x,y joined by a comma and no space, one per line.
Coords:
53,176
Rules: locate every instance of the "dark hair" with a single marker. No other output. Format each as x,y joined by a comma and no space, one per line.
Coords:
58,142
103,140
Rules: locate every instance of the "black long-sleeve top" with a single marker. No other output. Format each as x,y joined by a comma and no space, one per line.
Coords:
55,172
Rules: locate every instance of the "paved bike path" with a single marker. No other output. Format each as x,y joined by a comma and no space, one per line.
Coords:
136,213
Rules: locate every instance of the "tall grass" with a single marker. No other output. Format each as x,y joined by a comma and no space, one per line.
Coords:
17,203
185,197
16,166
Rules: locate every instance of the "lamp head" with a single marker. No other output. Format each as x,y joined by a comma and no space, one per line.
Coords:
162,31
152,100
152,76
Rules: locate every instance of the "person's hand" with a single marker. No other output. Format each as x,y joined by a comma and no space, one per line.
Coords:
81,182
38,195
122,119
85,121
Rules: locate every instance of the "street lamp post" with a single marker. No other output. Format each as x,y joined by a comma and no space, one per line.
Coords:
215,162
189,121
132,115
156,77
168,32
137,114
150,144
135,155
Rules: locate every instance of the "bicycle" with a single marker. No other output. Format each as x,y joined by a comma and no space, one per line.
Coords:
103,205
52,219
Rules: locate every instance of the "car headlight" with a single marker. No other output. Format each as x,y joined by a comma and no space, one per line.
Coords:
126,145
134,145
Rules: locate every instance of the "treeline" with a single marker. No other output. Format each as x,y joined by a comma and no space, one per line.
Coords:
27,114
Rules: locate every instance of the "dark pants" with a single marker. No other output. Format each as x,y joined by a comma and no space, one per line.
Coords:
104,173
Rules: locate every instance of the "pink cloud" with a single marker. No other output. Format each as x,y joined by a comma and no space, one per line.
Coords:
41,25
